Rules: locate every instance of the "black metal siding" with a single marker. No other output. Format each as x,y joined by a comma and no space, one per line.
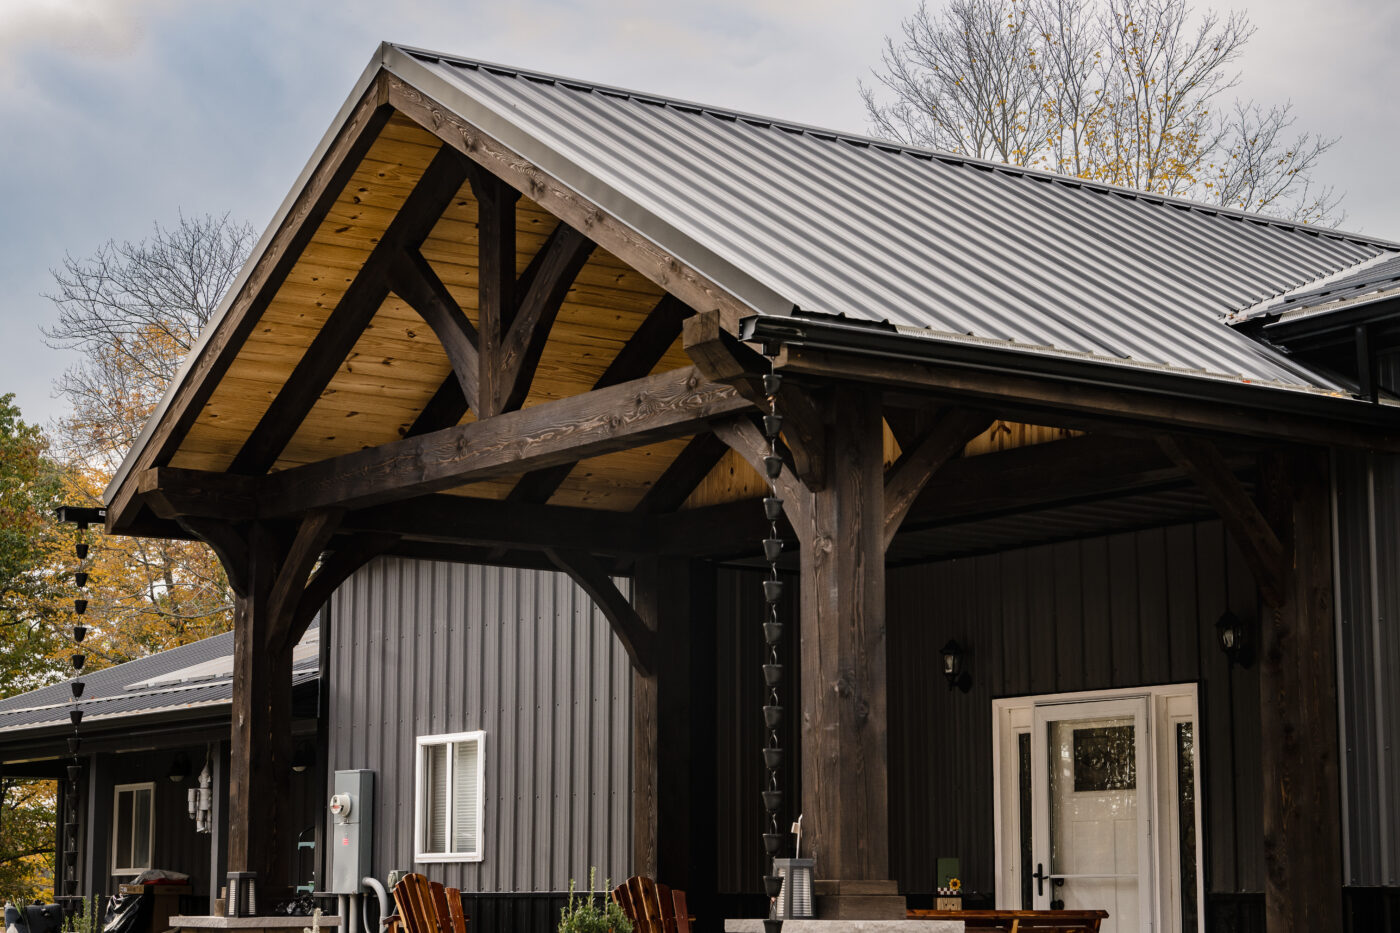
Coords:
422,648
1368,641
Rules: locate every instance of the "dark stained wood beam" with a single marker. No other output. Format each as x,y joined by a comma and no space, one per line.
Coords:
229,544
339,565
495,240
459,520
908,476
513,366
1299,754
1203,462
439,184
313,533
744,438
256,291
638,356
722,358
637,639
449,404
633,414
413,280
174,493
685,473
1048,401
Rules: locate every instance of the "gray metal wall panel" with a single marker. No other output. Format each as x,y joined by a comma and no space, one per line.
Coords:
1368,617
428,648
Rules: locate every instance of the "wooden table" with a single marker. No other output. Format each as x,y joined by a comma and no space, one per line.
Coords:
1015,921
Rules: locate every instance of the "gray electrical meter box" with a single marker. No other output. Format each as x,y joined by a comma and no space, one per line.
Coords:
352,830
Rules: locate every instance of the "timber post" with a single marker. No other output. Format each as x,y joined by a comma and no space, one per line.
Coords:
1298,700
261,737
674,730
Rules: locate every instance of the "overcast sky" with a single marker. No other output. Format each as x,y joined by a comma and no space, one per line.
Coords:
120,113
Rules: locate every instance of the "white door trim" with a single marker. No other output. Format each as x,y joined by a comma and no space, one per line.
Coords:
1167,706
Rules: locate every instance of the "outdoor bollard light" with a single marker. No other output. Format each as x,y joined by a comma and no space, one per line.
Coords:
954,668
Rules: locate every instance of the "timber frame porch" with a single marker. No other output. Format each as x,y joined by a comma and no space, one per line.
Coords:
442,349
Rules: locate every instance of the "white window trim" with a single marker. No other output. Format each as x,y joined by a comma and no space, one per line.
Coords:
418,802
1168,705
150,830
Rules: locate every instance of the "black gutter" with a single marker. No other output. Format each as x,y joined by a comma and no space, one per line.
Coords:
1313,329
885,342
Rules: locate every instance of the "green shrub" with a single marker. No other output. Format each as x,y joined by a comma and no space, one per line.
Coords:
583,915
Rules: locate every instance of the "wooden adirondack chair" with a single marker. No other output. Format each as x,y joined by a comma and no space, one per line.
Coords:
652,907
427,907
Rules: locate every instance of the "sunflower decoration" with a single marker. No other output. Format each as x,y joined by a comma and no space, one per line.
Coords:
955,885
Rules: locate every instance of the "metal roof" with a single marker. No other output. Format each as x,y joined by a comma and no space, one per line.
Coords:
781,215
192,677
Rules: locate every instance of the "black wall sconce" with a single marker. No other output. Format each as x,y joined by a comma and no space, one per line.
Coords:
1233,636
304,757
955,666
179,769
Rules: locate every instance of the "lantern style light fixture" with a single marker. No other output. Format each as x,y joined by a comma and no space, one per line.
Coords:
179,769
1233,636
955,666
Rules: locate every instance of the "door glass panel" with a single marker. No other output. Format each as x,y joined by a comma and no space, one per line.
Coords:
1094,817
1186,820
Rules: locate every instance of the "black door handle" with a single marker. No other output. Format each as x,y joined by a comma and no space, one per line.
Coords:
1039,877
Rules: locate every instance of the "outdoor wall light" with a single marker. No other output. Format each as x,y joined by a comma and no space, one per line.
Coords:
954,666
1234,639
303,757
179,769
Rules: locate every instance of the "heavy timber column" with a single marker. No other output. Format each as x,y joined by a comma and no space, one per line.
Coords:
673,721
260,758
1298,698
845,785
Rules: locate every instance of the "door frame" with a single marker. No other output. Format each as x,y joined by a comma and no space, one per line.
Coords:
1167,706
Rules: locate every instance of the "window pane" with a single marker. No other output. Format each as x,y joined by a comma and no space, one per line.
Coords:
121,854
141,830
435,798
1186,822
464,797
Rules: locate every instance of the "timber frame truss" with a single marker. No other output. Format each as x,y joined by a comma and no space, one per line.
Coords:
288,537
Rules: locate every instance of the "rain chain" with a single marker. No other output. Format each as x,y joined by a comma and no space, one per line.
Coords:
75,713
773,636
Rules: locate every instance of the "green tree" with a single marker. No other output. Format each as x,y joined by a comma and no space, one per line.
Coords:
34,587
27,824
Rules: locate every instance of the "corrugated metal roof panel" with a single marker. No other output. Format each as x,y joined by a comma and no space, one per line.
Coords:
842,225
145,686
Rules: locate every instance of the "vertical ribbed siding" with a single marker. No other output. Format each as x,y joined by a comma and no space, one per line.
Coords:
422,648
1368,641
1115,611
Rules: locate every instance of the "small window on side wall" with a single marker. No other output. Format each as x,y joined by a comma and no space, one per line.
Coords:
448,806
132,808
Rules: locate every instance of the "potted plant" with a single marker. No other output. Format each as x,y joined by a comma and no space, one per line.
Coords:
583,915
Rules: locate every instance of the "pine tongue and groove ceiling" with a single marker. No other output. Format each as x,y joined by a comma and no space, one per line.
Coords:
398,364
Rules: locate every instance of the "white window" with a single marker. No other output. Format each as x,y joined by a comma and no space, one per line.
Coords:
131,828
448,811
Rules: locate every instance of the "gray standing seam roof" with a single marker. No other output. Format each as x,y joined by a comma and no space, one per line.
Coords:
783,215
876,231
149,685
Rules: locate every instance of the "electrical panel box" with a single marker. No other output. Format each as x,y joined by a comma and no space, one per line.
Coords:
352,830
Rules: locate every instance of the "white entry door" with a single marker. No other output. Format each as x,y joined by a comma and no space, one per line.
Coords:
1092,803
